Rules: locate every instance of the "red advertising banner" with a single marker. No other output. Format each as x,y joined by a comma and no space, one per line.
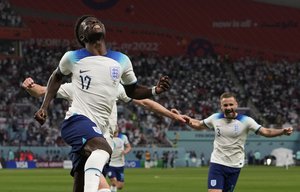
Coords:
235,28
14,33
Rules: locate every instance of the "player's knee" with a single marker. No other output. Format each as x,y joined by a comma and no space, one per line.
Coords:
120,185
97,143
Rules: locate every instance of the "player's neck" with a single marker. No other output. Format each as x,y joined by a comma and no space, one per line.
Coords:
97,48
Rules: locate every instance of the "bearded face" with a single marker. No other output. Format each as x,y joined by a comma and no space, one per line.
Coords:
91,30
229,106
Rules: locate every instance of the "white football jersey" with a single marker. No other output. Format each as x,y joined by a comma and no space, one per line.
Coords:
113,118
66,92
117,158
230,138
95,82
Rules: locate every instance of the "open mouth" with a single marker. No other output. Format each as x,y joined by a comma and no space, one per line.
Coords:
96,27
228,111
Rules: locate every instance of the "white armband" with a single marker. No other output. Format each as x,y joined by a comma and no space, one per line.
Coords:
153,91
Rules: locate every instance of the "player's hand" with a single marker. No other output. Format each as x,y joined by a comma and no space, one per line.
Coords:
188,120
179,118
28,83
41,116
175,111
163,85
287,131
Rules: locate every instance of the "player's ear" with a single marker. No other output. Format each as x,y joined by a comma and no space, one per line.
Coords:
81,37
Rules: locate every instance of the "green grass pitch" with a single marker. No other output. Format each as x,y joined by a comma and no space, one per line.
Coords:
252,179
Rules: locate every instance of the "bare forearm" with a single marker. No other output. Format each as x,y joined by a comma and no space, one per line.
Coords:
137,91
37,91
270,132
127,149
53,85
155,107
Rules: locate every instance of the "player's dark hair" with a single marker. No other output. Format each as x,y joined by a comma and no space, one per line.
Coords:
227,95
77,26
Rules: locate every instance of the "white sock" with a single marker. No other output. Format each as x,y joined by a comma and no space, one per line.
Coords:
104,190
93,168
113,188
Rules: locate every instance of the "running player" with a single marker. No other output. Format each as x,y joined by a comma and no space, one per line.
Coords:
231,130
96,74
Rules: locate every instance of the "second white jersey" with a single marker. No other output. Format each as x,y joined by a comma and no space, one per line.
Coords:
117,156
113,118
230,138
95,82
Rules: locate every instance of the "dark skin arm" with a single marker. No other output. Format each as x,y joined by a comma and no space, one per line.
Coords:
136,91
53,85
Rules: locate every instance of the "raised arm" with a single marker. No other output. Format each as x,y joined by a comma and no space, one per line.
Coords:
32,88
158,108
53,85
193,123
270,132
137,91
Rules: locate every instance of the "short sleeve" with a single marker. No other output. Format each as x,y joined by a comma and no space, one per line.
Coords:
252,124
128,76
125,139
208,122
65,92
122,94
65,64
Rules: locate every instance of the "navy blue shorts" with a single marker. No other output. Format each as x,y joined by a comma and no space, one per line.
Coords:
222,177
117,172
75,131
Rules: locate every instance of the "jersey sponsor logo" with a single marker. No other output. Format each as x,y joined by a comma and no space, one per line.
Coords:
213,182
83,71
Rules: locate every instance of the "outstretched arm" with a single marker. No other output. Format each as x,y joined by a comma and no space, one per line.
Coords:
53,85
33,89
158,108
270,132
136,91
193,123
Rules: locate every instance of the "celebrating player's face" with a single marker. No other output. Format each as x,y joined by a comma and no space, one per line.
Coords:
229,106
92,29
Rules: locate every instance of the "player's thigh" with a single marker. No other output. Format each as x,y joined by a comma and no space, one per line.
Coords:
97,143
113,180
232,178
120,184
216,177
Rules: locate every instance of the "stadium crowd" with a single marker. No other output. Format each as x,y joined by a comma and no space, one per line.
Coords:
8,17
197,83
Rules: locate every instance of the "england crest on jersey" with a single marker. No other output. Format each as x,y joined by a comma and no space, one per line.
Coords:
213,182
115,73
